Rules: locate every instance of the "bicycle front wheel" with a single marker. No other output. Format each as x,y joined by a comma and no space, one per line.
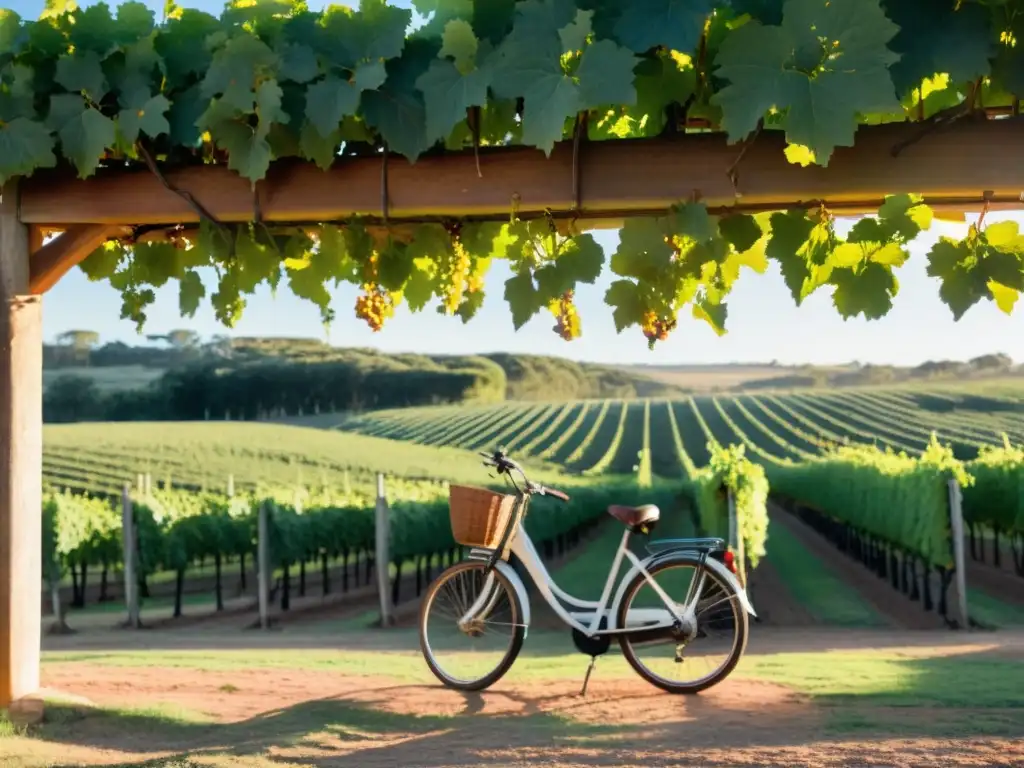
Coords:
691,658
471,626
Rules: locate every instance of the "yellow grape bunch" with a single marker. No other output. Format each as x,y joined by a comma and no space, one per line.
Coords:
457,272
567,318
657,328
375,305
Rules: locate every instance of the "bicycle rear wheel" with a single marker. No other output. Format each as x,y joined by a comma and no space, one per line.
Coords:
689,659
471,626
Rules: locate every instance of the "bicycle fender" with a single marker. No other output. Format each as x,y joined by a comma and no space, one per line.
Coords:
517,584
712,564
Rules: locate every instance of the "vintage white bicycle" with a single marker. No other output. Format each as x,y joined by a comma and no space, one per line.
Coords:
474,615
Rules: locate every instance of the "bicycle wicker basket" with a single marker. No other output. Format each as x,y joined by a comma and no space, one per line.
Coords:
479,516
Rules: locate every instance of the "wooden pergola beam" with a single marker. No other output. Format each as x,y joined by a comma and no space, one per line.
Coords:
50,262
956,167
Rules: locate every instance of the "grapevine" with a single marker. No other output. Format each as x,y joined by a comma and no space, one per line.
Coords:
92,89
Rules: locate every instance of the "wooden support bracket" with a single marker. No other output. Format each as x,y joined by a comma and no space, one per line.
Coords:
50,262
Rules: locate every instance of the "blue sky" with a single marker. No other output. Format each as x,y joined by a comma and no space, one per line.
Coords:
764,324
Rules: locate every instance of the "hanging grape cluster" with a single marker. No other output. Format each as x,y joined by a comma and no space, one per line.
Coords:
656,327
375,304
567,318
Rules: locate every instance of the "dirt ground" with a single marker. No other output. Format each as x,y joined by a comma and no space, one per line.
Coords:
270,718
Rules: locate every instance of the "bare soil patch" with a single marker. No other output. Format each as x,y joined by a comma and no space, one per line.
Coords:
281,717
897,609
1002,584
772,600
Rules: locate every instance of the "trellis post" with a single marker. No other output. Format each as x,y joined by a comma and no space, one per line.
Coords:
736,540
129,538
956,527
263,570
21,461
383,552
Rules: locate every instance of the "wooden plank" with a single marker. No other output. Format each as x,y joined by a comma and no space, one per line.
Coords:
955,167
52,261
21,461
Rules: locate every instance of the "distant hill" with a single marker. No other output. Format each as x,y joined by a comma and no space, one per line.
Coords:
254,378
178,376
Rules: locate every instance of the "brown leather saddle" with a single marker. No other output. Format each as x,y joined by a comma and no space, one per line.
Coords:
636,518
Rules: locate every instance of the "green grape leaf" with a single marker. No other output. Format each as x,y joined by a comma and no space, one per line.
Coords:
94,30
84,132
182,45
868,291
582,257
82,73
249,154
470,305
948,260
692,221
298,63
906,215
320,149
376,31
328,101
258,261
1005,298
448,93
786,67
394,266
1005,236
24,146
235,70
765,11
103,262
740,230
661,79
714,314
940,36
529,65
673,24
643,252
802,247
143,113
422,282
397,110
460,44
606,75
522,298
190,293
134,22
307,271
628,305
574,34
370,75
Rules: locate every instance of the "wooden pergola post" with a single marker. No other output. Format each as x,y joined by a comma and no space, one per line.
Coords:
21,459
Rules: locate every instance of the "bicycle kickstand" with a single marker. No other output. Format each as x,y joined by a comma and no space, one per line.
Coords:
586,678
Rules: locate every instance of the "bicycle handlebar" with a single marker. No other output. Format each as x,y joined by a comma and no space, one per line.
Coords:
505,465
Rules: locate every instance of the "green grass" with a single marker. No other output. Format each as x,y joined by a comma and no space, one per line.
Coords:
992,612
811,583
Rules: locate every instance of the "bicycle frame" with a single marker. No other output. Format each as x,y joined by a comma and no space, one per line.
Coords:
588,620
